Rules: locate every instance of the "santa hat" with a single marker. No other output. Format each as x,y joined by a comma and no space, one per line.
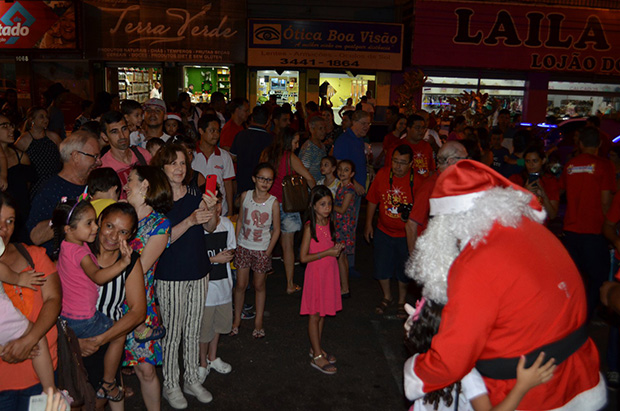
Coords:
460,185
174,116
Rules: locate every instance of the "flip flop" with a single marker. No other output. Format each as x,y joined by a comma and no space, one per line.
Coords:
258,334
234,332
296,289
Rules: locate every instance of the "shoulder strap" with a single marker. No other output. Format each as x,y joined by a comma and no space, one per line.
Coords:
22,250
141,159
288,163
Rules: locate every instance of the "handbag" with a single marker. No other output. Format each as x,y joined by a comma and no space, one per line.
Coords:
72,375
294,191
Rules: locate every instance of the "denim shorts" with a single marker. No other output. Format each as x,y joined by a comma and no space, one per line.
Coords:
96,325
289,222
391,254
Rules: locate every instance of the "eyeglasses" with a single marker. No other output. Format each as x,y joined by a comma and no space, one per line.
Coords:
7,125
95,156
400,163
264,179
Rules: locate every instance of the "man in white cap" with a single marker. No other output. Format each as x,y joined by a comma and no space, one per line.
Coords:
509,289
153,126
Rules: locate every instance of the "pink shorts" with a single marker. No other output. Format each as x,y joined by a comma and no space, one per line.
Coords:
13,324
257,261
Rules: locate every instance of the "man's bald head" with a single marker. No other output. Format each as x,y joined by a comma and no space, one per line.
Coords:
450,153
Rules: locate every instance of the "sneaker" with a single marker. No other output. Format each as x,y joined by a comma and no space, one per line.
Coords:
220,366
247,307
175,398
613,380
247,315
198,391
203,373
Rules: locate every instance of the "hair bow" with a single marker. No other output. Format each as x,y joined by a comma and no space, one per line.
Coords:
418,308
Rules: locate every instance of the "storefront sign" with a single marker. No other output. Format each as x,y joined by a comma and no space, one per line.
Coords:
516,37
184,30
325,44
37,24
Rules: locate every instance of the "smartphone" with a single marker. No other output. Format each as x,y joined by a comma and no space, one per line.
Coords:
211,183
533,177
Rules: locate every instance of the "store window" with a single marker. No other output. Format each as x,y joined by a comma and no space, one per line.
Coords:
339,87
572,99
438,90
284,86
133,83
202,81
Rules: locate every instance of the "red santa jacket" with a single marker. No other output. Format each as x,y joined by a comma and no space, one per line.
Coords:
514,292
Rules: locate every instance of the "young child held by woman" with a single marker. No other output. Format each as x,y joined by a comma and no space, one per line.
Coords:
345,221
75,225
258,229
470,393
321,293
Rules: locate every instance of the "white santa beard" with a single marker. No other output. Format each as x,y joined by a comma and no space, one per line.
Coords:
447,235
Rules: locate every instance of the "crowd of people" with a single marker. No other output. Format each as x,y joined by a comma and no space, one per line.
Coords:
145,225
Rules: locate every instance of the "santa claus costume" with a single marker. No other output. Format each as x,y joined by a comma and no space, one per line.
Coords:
510,289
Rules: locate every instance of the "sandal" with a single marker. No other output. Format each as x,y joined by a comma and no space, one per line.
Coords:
330,358
296,288
401,314
157,333
258,334
234,332
383,305
328,368
104,394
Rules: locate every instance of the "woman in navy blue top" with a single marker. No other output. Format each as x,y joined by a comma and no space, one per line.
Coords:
181,276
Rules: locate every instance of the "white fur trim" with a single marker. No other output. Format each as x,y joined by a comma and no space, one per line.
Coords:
448,234
412,383
454,204
591,400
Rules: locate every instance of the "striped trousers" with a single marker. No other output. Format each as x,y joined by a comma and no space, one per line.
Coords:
181,305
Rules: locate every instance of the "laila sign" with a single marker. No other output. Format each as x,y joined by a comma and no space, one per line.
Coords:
516,37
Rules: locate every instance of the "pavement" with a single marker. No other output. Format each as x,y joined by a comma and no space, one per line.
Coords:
275,372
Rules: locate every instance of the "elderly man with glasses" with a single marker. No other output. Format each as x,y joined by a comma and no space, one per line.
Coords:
79,154
449,154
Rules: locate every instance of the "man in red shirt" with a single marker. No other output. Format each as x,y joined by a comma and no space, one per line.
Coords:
589,181
240,109
392,191
450,153
423,161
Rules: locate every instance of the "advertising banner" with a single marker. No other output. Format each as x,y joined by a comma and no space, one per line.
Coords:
162,30
325,44
507,36
37,25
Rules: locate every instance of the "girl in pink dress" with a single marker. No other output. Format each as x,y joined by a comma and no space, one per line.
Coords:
321,292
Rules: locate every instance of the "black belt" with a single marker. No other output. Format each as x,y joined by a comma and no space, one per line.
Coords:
506,368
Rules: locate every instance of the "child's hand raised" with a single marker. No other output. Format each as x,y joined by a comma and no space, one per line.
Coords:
125,252
31,279
528,378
